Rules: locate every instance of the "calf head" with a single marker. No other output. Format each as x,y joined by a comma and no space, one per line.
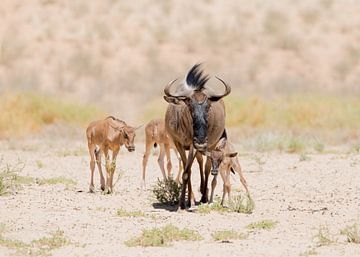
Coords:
127,136
218,155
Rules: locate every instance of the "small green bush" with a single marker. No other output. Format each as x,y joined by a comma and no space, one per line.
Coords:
167,192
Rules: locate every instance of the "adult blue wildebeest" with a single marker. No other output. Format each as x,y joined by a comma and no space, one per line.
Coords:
195,120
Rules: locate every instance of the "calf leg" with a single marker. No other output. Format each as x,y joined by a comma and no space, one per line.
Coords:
168,159
148,147
180,166
108,171
92,166
236,166
224,179
113,167
213,185
98,162
161,160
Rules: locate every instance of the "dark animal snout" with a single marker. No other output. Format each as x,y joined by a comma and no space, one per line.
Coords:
131,148
214,172
201,146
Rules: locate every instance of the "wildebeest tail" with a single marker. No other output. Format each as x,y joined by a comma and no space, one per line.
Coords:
155,145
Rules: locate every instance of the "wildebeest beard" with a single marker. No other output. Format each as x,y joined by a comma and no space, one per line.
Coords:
200,121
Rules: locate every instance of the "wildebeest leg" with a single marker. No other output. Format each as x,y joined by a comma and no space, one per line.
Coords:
149,144
98,162
185,176
200,161
180,166
213,185
168,159
161,160
204,192
236,166
113,167
92,166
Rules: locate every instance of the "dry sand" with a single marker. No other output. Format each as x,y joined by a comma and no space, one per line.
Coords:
300,195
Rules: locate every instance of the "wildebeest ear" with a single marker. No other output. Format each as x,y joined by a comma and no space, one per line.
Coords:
231,155
171,100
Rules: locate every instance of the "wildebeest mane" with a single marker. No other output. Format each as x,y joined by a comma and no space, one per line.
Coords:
195,77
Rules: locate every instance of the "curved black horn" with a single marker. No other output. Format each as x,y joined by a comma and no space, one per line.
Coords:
227,91
167,88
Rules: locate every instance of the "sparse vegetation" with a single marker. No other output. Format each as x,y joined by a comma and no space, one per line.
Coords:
304,157
323,237
167,192
39,164
42,246
264,224
309,252
57,180
163,236
123,213
208,208
9,176
319,147
352,233
225,235
242,204
33,111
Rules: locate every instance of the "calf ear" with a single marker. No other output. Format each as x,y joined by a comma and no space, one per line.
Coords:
221,144
231,155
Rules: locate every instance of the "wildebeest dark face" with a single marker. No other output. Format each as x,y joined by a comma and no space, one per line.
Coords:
199,106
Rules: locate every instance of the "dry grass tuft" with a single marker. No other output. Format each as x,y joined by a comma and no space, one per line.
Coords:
242,204
163,236
39,247
352,234
226,235
57,180
9,176
167,192
123,213
264,224
323,237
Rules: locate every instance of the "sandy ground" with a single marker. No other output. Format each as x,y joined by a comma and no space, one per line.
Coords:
300,195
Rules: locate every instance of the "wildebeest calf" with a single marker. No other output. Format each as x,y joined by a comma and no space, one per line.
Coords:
105,135
156,135
224,160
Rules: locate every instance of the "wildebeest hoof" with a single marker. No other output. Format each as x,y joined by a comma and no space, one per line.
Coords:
204,199
102,188
91,189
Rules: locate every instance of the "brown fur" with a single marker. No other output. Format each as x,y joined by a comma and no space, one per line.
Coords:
224,158
179,125
107,134
155,134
